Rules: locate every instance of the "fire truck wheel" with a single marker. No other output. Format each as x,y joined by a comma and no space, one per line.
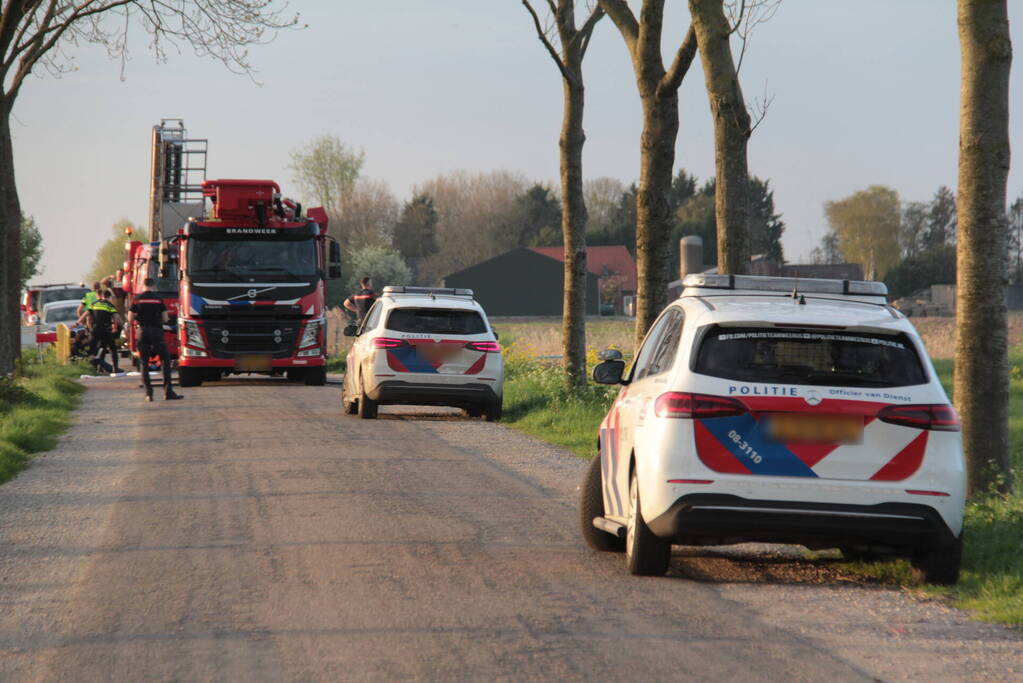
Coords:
316,377
213,376
295,374
190,377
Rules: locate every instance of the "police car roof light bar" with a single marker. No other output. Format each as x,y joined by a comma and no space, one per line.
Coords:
445,291
787,285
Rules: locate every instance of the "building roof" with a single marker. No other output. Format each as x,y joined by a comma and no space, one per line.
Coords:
601,261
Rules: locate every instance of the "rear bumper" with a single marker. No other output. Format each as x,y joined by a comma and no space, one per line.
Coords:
229,363
408,393
724,518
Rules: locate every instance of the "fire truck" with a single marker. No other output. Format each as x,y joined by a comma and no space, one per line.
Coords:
178,168
252,285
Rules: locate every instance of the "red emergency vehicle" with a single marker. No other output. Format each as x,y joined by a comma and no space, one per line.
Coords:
252,285
141,261
37,296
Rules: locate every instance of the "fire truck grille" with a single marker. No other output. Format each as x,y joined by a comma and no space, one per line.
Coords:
227,339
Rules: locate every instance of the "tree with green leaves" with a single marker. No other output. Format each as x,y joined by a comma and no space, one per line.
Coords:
110,255
40,35
325,170
867,225
31,250
415,233
981,380
383,264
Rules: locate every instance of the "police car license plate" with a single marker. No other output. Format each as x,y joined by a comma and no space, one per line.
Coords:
799,428
437,353
257,362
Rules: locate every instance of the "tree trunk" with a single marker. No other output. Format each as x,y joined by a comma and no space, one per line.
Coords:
10,250
731,135
573,226
982,367
653,212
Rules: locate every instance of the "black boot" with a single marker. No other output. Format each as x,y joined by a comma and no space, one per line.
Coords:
171,396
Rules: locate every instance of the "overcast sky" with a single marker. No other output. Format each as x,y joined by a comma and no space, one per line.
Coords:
864,93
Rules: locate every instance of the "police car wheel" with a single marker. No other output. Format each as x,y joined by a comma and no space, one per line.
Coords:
938,564
367,409
645,554
591,504
492,413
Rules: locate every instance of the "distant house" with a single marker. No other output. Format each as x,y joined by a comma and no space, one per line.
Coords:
529,281
614,267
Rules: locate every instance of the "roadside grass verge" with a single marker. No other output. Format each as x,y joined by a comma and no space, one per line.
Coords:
336,364
536,402
991,582
35,409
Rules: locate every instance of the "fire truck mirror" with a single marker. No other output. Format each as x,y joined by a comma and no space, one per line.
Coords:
334,260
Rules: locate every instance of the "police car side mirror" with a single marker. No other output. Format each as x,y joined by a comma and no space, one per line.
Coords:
351,330
609,372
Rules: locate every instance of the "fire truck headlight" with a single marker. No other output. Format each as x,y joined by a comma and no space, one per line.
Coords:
315,351
192,335
311,334
194,353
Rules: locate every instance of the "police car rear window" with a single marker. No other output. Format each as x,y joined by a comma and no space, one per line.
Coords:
436,321
832,358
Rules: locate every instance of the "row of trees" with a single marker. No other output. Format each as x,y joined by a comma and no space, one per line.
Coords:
909,244
457,219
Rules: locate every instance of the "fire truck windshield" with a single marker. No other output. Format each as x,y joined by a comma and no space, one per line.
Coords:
167,284
248,260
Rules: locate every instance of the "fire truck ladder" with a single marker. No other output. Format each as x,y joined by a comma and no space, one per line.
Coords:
178,170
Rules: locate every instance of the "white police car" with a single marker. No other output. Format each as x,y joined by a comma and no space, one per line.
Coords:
778,410
425,346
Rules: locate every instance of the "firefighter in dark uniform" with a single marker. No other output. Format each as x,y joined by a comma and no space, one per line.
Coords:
106,322
360,302
149,313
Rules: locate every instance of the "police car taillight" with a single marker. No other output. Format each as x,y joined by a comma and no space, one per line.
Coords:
696,406
388,343
939,417
484,346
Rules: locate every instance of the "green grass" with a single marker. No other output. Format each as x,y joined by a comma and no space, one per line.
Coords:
536,402
336,364
991,583
35,410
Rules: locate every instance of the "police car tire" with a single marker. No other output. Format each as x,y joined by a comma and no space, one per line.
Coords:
591,504
493,412
938,564
316,377
645,553
367,407
190,377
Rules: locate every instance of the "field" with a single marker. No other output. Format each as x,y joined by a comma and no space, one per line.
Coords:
542,336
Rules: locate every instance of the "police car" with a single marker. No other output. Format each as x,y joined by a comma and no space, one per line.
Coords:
425,346
778,410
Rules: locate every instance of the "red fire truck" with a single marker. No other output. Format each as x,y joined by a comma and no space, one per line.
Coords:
252,285
142,261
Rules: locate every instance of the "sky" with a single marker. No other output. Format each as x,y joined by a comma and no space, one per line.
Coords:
862,93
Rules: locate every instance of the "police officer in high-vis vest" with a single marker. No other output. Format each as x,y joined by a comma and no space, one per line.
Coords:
360,302
106,322
149,313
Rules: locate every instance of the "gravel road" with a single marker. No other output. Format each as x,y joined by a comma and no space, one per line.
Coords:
252,532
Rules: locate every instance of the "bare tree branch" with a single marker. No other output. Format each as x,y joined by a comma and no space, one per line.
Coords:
542,35
596,14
